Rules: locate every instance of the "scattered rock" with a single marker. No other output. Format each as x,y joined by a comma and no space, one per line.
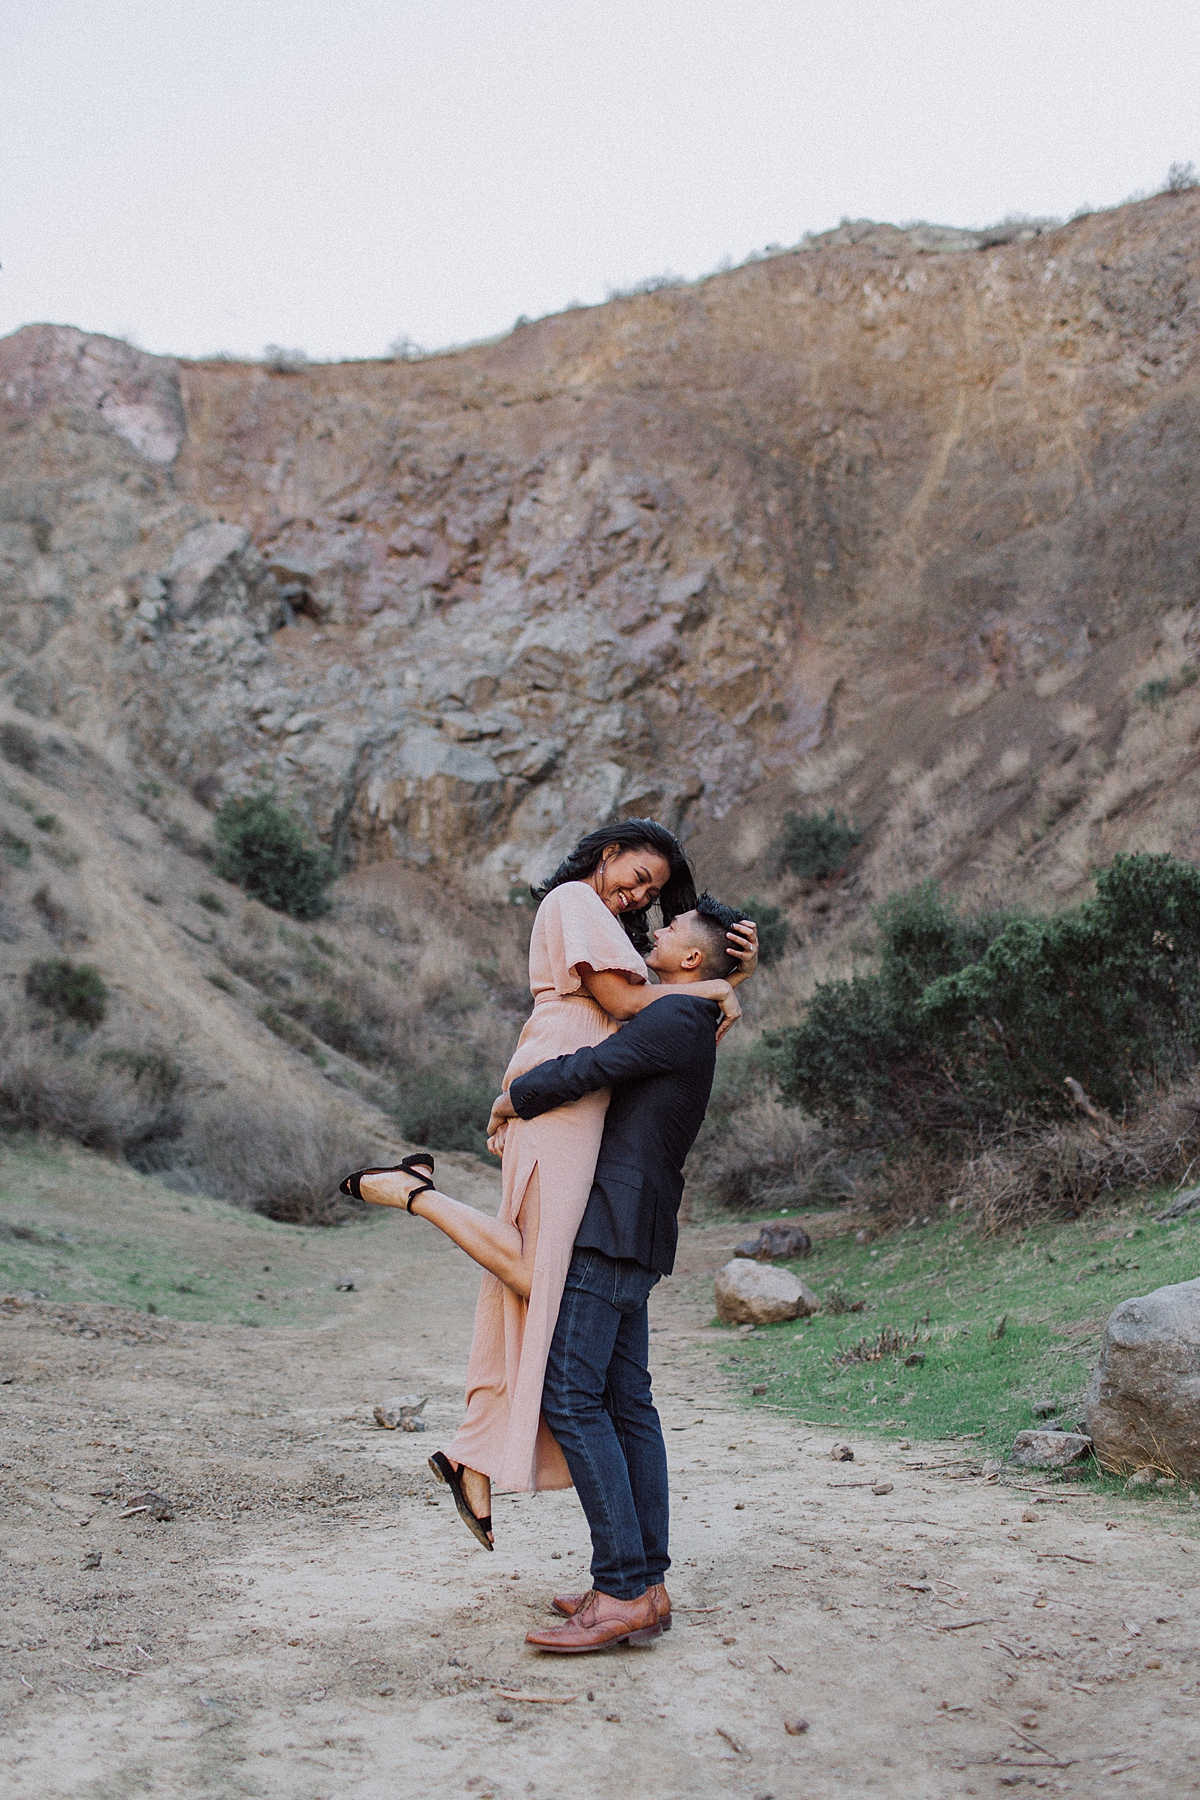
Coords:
1029,1517
1048,1449
750,1293
992,1466
761,1388
881,1487
1143,1401
1181,1204
91,1560
776,1243
345,1287
915,1360
400,1413
1141,1478
385,1693
795,1727
1044,1409
150,1503
841,1453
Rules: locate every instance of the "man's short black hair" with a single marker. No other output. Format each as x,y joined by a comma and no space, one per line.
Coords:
715,919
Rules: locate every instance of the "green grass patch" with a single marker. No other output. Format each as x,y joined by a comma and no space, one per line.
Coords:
78,1228
1002,1323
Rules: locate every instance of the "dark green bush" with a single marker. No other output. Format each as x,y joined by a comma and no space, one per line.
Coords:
154,1072
968,1025
862,1057
18,745
815,844
774,932
264,848
1108,994
445,1112
74,991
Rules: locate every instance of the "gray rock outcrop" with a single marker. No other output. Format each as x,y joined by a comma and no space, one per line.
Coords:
679,555
750,1293
1143,1400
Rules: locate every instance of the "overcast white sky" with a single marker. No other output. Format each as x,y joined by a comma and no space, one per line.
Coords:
207,175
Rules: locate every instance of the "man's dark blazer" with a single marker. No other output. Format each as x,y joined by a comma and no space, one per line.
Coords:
660,1069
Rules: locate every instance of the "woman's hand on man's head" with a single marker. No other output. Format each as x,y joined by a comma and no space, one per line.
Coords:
742,940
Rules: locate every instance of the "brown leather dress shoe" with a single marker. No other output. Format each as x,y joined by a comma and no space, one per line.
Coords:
598,1621
568,1604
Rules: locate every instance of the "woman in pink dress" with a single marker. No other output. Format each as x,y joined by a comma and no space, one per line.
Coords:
587,976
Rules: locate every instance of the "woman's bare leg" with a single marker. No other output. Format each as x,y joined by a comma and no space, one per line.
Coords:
505,1250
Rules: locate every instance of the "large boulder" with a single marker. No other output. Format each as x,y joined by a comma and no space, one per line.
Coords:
750,1293
1143,1401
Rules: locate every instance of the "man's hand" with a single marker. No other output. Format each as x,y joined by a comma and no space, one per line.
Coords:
742,942
502,1112
497,1139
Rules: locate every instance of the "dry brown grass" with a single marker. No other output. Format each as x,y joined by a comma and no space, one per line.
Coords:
273,1155
1063,1170
911,1183
99,1098
759,1155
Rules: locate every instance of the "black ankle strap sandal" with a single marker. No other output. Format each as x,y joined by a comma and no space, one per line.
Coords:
420,1160
445,1471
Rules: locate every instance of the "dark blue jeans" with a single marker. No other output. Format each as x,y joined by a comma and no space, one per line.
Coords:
597,1402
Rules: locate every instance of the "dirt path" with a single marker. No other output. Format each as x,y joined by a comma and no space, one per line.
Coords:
315,1622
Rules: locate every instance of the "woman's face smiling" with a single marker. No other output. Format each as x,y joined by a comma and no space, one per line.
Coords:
630,880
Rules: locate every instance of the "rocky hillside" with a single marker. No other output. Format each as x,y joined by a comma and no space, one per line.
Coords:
900,522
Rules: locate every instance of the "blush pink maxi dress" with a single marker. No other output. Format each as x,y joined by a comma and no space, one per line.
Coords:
503,1434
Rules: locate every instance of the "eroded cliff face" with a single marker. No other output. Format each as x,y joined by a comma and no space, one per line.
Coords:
899,528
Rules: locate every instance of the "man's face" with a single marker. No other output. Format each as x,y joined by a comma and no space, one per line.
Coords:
677,948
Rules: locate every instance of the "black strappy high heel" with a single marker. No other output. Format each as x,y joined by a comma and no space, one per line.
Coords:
420,1159
445,1471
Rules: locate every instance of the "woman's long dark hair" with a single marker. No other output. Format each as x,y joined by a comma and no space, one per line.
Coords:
679,891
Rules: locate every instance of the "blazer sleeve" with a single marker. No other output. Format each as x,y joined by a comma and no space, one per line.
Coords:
658,1040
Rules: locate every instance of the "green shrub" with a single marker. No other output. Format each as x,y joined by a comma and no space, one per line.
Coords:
815,844
264,848
211,902
862,1058
291,1033
1108,994
774,931
16,850
154,1072
969,1025
18,745
74,991
444,1111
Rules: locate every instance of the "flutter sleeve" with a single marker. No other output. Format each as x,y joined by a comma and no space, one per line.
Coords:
577,928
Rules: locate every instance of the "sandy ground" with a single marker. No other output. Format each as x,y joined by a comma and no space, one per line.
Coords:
315,1621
